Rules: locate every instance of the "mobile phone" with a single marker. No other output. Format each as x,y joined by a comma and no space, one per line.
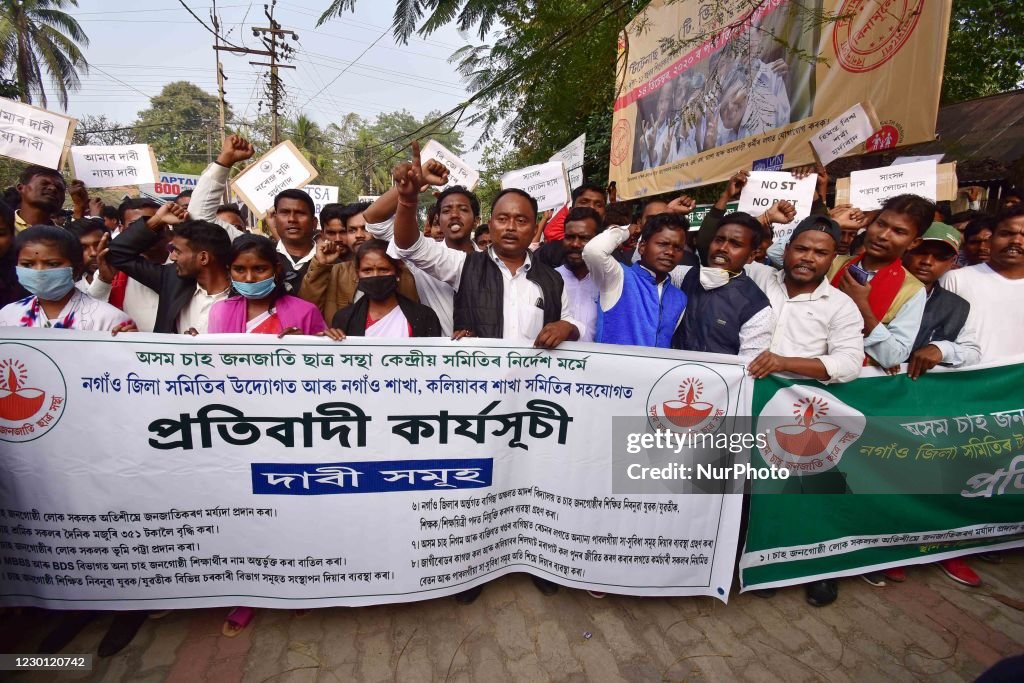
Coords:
858,273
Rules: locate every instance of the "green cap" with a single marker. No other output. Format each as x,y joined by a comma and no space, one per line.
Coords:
940,232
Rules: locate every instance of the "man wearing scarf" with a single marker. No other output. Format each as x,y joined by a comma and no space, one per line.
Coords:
891,300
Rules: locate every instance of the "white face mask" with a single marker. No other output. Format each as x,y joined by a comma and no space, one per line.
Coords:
713,278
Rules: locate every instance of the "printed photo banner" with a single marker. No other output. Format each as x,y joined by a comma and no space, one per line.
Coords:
114,165
169,185
148,472
958,433
34,135
730,94
282,168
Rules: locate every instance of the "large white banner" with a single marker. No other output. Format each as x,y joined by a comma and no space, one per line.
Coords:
151,471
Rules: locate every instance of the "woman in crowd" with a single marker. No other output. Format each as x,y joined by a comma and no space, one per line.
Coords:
262,307
382,311
48,262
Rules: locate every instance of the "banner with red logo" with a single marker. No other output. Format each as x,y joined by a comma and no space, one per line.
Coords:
888,472
161,471
708,88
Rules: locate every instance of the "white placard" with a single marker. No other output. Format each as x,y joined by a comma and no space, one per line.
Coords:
547,183
368,198
870,188
459,172
282,168
114,165
851,128
322,195
449,464
34,135
765,188
572,156
899,161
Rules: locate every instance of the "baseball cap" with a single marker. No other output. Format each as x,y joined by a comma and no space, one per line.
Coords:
819,223
940,232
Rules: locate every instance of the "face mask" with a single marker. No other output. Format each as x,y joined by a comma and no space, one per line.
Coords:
378,287
713,278
255,290
50,284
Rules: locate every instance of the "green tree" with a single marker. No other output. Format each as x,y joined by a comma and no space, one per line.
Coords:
37,35
182,126
102,130
985,50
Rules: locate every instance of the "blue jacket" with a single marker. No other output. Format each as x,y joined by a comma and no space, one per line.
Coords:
640,317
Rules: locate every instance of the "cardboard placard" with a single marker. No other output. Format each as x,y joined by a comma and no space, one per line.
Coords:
765,188
547,183
114,165
34,135
844,133
945,185
459,172
572,156
282,168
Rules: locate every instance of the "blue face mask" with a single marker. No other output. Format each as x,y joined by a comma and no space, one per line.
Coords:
255,290
50,284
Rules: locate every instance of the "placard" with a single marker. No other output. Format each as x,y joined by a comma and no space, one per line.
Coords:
547,183
844,133
459,172
114,165
913,160
34,135
869,189
572,156
765,188
282,168
322,196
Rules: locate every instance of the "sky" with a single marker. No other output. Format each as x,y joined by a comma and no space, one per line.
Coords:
135,48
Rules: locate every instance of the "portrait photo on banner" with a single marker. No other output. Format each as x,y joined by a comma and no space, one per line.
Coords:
747,86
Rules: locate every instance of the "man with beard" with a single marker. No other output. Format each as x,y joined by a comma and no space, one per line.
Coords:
975,249
42,191
98,276
332,281
890,299
197,276
817,328
581,226
995,289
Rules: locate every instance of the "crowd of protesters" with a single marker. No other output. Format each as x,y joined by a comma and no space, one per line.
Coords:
906,288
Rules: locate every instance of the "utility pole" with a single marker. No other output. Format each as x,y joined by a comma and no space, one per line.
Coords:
220,68
272,39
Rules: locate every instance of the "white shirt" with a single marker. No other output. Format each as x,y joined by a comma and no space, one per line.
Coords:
997,309
583,295
141,303
295,264
197,313
522,317
81,312
433,293
97,289
824,324
207,195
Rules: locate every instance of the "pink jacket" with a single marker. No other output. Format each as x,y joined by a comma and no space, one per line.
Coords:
229,316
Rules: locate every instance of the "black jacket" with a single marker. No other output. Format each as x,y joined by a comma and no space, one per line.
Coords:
175,292
479,299
944,317
352,319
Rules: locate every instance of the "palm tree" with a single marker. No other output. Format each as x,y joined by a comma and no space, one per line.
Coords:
37,34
